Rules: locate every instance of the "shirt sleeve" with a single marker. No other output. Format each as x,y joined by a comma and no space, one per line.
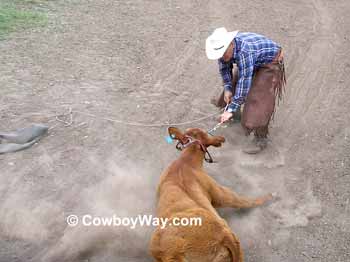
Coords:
246,71
226,74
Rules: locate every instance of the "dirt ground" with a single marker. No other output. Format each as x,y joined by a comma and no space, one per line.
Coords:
144,61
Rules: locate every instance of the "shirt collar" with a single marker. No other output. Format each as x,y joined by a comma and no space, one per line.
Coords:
235,50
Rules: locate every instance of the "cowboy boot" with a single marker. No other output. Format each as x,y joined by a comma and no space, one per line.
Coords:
257,145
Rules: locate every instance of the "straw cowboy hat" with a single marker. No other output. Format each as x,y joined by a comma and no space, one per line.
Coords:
218,42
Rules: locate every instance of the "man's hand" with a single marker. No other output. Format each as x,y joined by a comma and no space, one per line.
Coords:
226,116
227,96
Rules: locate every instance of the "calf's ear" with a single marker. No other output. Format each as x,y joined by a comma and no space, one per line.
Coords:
176,133
216,141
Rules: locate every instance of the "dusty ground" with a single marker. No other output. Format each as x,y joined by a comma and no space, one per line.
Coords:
144,61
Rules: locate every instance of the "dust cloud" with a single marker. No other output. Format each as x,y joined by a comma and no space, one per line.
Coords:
129,190
126,191
254,176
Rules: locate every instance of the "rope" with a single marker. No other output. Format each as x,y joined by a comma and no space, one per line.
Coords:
62,118
147,125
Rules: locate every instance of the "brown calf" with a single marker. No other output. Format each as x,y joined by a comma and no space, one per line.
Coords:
186,191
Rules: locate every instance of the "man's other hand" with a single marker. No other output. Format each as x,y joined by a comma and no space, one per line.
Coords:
226,116
227,96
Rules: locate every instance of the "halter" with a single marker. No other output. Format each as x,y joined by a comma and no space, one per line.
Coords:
192,141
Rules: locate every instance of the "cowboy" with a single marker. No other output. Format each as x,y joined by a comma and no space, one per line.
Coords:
256,80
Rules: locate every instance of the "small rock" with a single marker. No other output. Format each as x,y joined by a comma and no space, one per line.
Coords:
11,164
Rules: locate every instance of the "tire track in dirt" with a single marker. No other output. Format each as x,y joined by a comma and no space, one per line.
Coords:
173,72
314,62
166,93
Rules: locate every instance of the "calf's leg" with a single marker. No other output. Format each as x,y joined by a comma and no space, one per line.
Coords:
224,197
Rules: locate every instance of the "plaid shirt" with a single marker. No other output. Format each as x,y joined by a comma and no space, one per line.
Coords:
250,51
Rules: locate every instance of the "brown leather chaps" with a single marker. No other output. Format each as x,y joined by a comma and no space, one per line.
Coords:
267,86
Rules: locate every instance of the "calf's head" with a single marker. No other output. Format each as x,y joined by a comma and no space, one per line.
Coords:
197,134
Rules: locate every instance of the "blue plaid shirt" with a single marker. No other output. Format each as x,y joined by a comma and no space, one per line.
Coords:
250,51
